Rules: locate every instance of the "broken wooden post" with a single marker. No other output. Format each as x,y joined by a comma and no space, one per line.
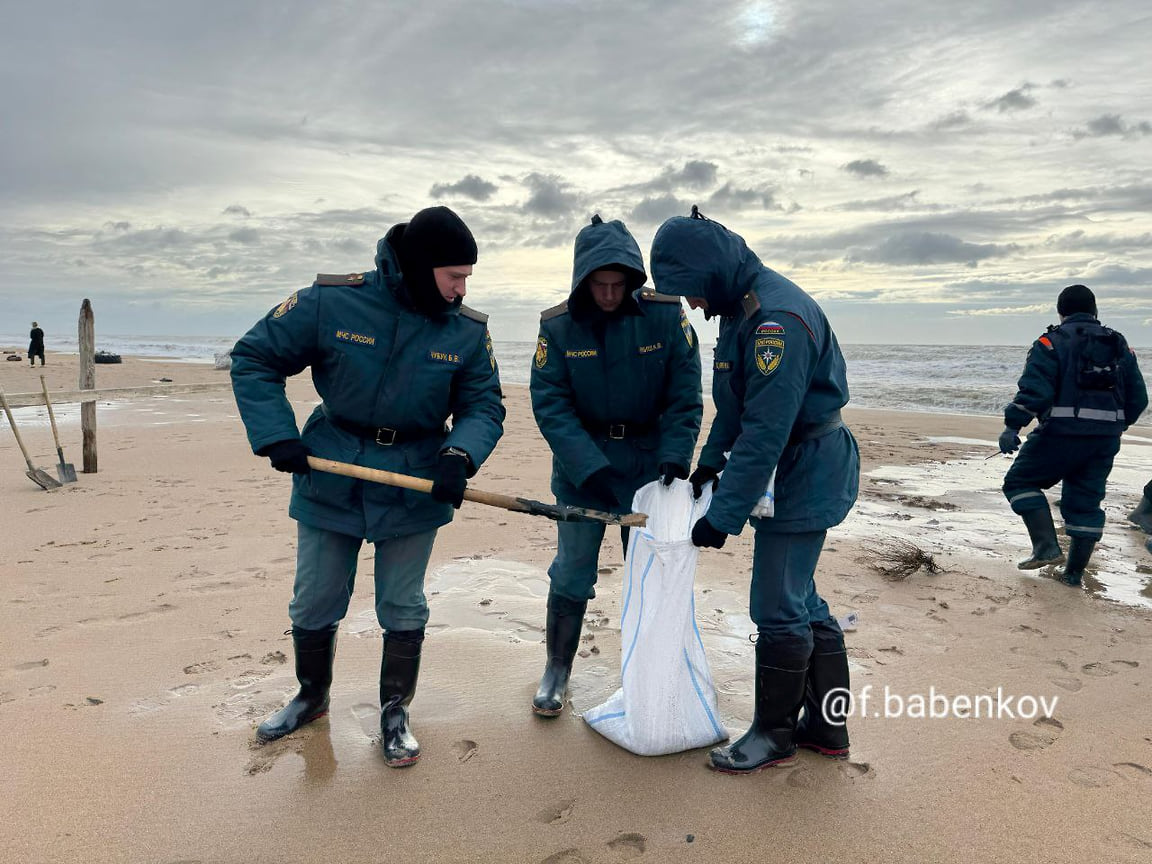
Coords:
88,382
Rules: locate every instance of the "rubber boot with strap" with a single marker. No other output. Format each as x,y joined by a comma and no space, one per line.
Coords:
1045,547
562,637
823,728
399,669
1142,515
315,651
769,741
1079,551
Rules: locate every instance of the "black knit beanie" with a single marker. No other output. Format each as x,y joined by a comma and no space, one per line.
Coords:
435,237
1076,298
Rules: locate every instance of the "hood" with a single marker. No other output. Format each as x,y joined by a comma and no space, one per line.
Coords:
696,257
599,246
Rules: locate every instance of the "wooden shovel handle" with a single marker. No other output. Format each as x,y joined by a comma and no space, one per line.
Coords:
15,431
417,484
51,416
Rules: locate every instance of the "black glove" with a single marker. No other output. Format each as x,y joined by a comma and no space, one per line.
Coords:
599,485
1009,440
451,479
289,456
703,534
701,477
670,471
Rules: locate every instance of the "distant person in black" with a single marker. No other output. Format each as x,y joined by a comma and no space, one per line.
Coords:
36,345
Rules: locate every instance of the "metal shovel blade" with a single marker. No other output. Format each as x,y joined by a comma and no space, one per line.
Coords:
66,471
43,479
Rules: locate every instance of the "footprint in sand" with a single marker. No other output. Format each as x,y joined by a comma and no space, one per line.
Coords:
629,843
1072,685
558,813
201,668
1093,777
803,778
855,770
1049,730
566,856
465,749
1097,670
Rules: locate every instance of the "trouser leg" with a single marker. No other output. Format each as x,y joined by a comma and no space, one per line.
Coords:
325,577
401,564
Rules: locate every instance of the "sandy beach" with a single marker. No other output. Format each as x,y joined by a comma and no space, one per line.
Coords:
143,638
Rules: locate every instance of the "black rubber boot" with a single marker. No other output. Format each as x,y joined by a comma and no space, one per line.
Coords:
565,620
1045,547
1142,515
823,728
399,669
315,650
1079,551
769,741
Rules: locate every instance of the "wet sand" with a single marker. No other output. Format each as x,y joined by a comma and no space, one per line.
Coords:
143,640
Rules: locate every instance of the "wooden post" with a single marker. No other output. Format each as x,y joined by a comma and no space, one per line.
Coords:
88,382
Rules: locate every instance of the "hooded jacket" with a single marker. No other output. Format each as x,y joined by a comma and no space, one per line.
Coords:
637,368
779,381
376,362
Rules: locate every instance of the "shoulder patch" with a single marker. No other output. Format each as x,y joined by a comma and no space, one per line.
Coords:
287,306
751,304
339,278
541,358
469,312
1046,342
654,297
558,309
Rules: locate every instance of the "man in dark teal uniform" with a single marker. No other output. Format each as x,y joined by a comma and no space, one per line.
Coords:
1082,385
778,383
616,393
1141,515
393,355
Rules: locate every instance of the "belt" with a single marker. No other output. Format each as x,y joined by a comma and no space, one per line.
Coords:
620,431
800,434
385,436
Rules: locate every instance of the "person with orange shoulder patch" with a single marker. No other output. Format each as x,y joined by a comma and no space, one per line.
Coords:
1083,387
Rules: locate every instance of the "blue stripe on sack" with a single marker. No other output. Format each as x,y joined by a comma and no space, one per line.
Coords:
700,695
695,627
639,619
611,716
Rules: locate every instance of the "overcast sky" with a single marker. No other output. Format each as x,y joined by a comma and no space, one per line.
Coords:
930,172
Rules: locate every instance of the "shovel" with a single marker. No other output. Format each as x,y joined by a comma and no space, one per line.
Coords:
557,512
40,478
64,470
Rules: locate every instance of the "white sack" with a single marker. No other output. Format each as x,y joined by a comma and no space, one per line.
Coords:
666,702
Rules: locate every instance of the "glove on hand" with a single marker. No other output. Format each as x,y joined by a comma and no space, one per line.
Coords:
289,456
1009,440
701,477
451,479
670,471
703,534
599,485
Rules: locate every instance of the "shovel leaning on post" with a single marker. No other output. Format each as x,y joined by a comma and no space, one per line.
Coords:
556,512
66,471
41,478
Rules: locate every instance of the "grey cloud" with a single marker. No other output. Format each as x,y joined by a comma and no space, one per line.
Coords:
655,210
118,226
953,120
1113,124
470,186
906,201
548,197
729,197
912,248
695,175
1019,99
247,236
237,210
865,168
